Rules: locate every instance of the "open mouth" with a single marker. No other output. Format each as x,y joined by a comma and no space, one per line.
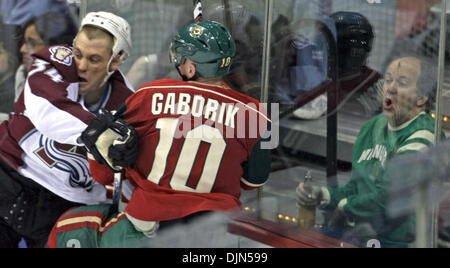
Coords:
387,104
82,80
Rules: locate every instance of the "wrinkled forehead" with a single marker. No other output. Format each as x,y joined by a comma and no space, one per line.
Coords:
405,67
93,46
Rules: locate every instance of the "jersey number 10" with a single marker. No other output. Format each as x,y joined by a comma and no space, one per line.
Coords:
225,62
186,159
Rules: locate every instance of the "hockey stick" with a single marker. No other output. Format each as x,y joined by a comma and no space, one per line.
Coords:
117,184
198,11
117,191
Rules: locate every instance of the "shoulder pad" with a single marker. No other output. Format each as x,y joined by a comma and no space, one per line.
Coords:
61,58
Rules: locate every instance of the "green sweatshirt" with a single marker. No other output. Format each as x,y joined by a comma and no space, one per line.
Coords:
366,193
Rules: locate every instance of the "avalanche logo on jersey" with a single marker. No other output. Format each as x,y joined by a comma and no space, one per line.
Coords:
67,158
62,55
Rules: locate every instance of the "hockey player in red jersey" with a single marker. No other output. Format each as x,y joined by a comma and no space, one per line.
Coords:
43,165
199,142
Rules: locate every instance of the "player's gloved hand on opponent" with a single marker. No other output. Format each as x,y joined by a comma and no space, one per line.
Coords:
111,141
125,150
313,196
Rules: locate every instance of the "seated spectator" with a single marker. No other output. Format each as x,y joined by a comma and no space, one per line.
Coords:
46,30
405,126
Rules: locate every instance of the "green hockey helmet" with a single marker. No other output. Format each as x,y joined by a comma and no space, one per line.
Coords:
208,44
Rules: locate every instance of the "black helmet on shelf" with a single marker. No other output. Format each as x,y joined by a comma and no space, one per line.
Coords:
354,37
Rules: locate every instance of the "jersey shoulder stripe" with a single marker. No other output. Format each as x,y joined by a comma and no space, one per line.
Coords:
422,134
418,141
415,146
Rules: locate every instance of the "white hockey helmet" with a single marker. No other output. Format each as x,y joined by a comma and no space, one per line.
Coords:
116,26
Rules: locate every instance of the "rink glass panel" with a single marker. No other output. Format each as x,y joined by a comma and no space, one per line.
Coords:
303,62
303,69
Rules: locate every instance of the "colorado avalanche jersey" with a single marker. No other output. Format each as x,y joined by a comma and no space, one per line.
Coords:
193,140
40,139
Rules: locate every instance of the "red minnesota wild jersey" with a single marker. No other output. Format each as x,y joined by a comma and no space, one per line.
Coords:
194,141
39,140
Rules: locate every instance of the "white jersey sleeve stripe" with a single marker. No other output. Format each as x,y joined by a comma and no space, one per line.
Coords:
50,120
413,147
423,134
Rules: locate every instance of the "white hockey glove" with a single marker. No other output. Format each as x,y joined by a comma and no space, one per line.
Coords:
111,141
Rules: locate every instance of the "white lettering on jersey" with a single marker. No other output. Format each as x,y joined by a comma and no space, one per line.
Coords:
187,157
54,75
198,103
379,152
183,104
169,108
231,114
156,105
198,106
211,109
39,65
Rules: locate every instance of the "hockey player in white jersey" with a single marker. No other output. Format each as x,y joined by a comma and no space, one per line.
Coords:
43,165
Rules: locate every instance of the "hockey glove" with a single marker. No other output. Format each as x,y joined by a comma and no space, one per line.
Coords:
125,150
106,133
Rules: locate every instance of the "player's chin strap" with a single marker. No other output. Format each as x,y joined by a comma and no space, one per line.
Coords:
108,72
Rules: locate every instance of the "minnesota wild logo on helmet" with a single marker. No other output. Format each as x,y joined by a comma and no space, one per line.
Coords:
208,44
197,31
